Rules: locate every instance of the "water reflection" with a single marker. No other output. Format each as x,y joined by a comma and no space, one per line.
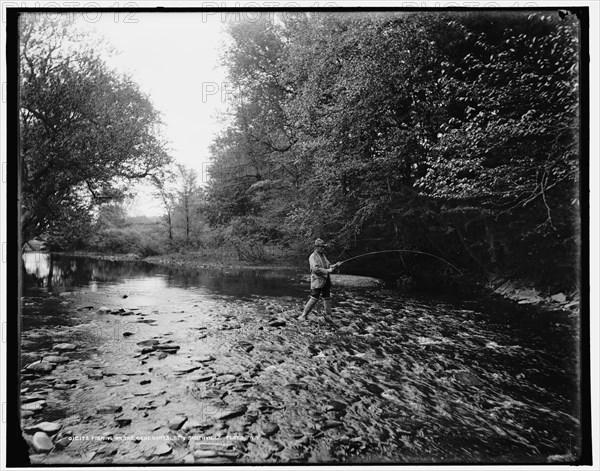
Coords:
59,273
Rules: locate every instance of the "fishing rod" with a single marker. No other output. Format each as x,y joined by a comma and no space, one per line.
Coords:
400,250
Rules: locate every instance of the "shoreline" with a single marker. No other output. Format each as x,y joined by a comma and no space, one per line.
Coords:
519,293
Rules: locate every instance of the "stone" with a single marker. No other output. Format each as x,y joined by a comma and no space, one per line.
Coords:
175,423
128,334
168,347
148,343
186,369
62,443
64,347
108,409
26,413
145,381
42,443
32,398
41,367
62,386
103,310
202,378
269,429
162,449
204,358
231,412
225,379
56,359
122,421
559,298
277,323
34,406
49,428
199,454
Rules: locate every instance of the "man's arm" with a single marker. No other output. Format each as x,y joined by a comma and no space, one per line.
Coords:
316,267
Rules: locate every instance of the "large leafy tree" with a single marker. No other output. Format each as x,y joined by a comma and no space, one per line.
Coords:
87,132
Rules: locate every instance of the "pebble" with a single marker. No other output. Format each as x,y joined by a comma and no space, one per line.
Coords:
41,442
162,449
49,428
108,409
199,454
231,412
269,429
122,421
204,358
41,367
56,359
34,406
176,422
64,347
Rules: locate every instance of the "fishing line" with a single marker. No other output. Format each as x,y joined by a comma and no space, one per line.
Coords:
402,250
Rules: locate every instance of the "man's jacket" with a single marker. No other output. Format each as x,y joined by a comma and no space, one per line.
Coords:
318,274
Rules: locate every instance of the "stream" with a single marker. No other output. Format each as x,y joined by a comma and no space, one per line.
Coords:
133,363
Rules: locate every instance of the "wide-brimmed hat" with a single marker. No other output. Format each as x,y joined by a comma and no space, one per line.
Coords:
320,243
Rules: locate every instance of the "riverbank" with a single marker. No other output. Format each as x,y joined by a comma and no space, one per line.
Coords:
513,291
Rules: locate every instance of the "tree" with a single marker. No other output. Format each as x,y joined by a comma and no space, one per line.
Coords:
86,131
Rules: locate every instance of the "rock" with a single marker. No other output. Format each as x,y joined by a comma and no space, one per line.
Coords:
166,347
335,406
225,379
128,334
34,406
162,449
26,413
202,378
175,423
559,298
277,323
468,379
186,369
199,454
32,398
230,413
122,421
145,350
56,359
49,428
64,347
162,356
62,443
62,386
103,310
204,358
41,442
108,409
269,429
148,343
41,367
95,375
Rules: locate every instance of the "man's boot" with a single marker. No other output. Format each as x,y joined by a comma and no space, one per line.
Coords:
327,303
309,305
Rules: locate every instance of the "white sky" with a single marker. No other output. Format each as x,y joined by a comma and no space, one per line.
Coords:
175,58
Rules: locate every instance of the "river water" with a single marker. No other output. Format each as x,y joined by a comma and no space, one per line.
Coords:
206,366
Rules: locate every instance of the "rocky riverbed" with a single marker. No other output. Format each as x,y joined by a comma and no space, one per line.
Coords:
135,375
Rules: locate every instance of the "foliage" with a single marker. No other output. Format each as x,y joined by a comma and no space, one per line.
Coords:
451,133
86,131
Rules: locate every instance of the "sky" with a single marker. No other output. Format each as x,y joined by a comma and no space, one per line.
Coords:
175,58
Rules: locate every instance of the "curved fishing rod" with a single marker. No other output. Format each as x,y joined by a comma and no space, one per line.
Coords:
401,250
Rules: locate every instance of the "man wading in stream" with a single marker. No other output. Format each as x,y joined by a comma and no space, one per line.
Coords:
320,281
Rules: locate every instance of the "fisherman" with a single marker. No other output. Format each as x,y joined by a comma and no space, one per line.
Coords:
320,281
